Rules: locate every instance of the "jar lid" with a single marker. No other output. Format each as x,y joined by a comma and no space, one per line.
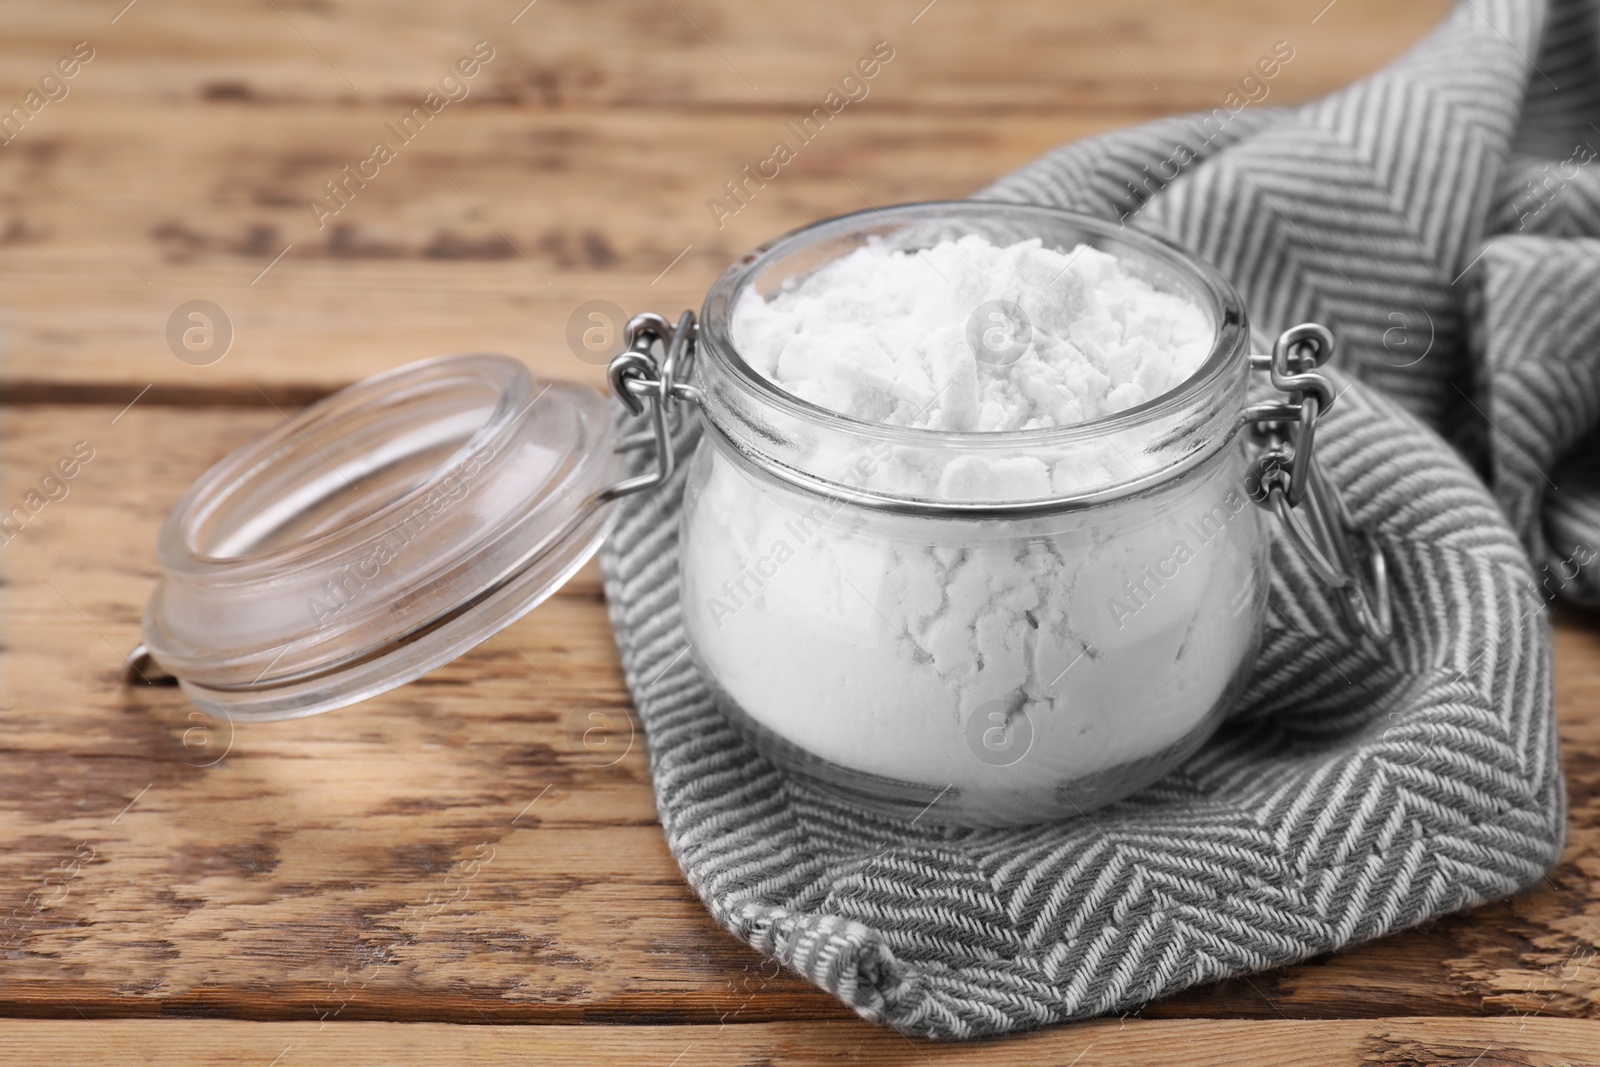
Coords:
378,534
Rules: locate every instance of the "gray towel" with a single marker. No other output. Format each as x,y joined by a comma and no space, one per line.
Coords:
1355,791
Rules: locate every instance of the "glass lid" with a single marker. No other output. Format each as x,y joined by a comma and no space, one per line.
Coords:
378,534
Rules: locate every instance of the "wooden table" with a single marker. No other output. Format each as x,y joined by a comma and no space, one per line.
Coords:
307,898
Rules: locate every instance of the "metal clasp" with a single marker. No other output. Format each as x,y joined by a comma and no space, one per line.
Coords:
638,379
1291,483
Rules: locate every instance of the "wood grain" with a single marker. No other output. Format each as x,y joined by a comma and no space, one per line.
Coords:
485,236
320,869
1369,1043
578,168
319,865
709,54
455,852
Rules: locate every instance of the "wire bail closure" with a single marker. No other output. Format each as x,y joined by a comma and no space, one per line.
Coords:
1291,484
637,379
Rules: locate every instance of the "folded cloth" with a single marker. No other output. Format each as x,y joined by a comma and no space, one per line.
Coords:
1356,791
1538,368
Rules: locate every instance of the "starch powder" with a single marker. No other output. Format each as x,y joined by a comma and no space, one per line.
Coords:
889,336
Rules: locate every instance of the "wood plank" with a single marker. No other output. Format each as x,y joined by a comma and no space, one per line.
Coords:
181,165
315,870
1149,54
312,861
485,236
1195,1043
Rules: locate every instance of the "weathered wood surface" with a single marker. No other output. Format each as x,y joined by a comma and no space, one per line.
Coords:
578,167
323,871
1191,1043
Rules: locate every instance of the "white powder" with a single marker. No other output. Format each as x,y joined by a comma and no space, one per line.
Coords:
890,336
932,650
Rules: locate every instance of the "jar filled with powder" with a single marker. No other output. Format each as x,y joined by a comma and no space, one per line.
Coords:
970,534
970,538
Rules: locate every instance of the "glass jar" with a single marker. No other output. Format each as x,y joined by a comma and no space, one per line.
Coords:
386,530
967,628
972,627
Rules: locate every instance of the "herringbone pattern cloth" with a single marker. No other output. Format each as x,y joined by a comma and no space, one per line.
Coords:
1356,791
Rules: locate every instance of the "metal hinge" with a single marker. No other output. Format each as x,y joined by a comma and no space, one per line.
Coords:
1289,481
